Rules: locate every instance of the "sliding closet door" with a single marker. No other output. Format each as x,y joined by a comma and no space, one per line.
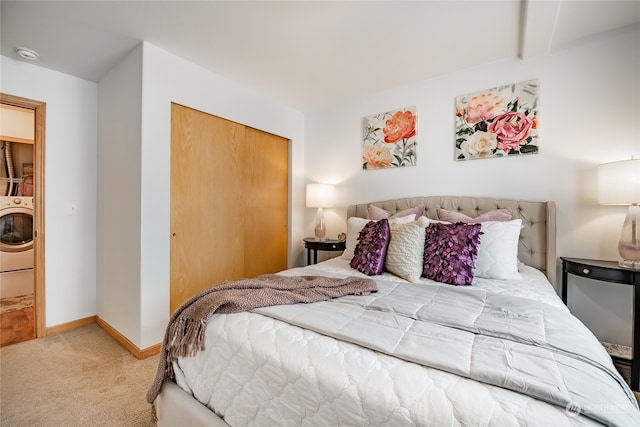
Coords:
228,202
266,180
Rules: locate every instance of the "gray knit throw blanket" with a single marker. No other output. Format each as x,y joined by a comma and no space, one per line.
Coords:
184,335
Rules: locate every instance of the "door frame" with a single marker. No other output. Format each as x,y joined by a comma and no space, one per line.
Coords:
39,108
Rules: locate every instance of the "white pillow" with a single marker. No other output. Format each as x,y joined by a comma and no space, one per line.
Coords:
405,254
498,250
354,226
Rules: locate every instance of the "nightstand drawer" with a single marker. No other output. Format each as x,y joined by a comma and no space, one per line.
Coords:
324,245
600,272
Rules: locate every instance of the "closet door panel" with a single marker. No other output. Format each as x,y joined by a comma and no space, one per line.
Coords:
266,177
206,199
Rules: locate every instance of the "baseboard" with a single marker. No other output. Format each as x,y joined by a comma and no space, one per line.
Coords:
131,347
64,327
124,341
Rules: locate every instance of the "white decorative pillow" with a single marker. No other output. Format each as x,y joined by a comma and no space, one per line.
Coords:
498,250
354,226
405,254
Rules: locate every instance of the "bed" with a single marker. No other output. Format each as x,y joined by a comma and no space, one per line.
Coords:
503,351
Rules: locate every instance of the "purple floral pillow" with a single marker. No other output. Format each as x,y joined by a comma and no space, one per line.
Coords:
450,252
371,250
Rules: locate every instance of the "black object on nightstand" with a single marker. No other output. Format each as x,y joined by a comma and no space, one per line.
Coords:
315,245
610,271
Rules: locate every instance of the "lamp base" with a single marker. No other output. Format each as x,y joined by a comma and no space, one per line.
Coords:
320,229
632,265
629,244
319,238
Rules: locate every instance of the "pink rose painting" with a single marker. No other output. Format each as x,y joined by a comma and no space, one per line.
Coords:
498,122
389,139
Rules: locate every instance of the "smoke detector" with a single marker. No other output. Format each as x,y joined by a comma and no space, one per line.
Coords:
27,53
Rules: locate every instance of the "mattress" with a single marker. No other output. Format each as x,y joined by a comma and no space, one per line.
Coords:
289,365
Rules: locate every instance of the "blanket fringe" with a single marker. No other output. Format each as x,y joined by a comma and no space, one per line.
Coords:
186,338
154,412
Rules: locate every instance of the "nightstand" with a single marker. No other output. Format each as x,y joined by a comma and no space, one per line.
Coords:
315,245
610,271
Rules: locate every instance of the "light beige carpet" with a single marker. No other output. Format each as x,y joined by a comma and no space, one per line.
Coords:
78,378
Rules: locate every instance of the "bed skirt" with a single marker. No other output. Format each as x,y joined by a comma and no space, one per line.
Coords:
176,407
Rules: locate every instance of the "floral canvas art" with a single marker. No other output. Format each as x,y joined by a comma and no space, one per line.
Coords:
498,122
389,139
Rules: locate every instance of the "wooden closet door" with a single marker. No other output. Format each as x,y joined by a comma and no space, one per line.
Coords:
229,202
206,202
266,178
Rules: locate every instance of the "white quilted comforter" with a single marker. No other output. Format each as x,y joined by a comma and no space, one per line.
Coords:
410,355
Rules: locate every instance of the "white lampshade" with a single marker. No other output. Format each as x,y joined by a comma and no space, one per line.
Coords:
319,195
619,183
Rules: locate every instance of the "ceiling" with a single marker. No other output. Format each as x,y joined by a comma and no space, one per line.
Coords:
306,54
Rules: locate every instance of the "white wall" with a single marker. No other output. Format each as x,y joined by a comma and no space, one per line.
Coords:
119,158
70,179
167,78
589,114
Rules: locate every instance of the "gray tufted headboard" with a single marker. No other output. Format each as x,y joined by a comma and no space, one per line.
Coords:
537,246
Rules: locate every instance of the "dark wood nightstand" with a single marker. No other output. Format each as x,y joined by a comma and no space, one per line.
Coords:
315,245
610,271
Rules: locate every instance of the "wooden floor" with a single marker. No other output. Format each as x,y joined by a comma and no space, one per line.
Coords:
17,320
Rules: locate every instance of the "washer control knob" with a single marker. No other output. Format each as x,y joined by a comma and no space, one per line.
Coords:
17,200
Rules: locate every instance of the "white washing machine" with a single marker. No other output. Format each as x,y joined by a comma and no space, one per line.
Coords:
16,246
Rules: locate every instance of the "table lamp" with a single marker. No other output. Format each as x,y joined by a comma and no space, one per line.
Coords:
320,196
619,184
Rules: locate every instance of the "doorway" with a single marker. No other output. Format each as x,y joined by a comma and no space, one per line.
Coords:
34,187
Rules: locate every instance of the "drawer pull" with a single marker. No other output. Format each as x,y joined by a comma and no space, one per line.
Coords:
586,271
333,246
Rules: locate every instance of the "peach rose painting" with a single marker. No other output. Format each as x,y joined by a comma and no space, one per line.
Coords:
389,139
498,122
